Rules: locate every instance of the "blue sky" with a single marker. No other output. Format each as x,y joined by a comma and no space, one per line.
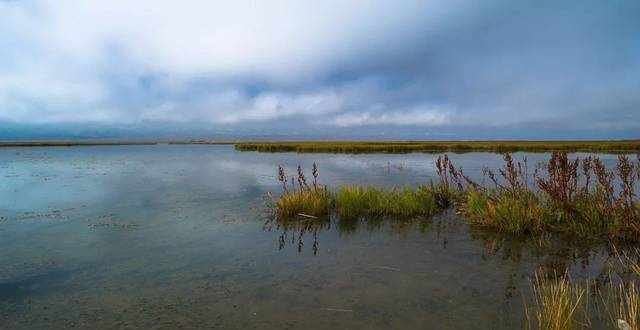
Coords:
364,69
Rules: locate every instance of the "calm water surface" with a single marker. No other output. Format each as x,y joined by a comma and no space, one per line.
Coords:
175,236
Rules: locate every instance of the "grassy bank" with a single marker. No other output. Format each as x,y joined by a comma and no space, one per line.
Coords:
622,146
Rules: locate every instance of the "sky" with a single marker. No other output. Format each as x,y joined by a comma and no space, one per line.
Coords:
290,69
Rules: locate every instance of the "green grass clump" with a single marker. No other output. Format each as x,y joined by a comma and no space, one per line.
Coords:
301,199
314,202
511,213
356,201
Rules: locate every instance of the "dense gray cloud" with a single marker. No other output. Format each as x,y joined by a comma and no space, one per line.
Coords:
440,68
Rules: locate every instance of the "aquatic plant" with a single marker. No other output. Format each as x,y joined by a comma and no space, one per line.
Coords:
558,304
574,197
355,201
621,304
301,200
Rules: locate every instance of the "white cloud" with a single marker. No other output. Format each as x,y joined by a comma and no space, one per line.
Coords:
61,55
341,63
419,116
233,106
282,40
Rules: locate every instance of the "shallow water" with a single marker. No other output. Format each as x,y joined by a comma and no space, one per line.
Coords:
175,236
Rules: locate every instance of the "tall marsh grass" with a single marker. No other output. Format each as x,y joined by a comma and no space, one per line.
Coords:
558,305
578,197
610,302
573,197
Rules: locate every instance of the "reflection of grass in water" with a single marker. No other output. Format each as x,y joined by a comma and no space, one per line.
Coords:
439,146
294,232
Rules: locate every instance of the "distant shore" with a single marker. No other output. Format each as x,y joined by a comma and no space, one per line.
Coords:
612,146
72,143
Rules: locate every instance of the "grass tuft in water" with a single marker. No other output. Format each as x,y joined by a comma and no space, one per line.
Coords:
609,302
356,201
299,199
558,304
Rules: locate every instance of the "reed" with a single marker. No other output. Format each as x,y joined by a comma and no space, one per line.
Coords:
558,304
561,304
621,303
621,300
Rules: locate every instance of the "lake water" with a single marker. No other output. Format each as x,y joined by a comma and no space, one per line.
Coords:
175,236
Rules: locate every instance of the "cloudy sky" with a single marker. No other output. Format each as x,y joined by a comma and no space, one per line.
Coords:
388,69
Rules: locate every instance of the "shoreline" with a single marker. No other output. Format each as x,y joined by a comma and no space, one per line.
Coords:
88,143
355,147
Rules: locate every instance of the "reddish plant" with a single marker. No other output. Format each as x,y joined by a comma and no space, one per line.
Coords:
561,182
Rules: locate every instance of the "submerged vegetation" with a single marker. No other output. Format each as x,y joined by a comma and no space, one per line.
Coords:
619,146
